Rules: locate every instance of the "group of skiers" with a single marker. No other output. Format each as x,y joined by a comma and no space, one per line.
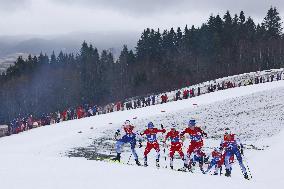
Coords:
230,146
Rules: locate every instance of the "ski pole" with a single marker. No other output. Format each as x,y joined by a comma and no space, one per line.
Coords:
246,164
165,155
245,161
129,159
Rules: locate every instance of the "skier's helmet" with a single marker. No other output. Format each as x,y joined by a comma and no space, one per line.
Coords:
173,127
150,125
191,123
227,131
127,122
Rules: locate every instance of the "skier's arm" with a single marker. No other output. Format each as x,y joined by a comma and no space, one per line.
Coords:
142,133
161,130
222,145
166,138
240,146
204,134
183,133
139,138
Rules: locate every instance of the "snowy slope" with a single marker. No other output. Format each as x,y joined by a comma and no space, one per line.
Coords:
38,158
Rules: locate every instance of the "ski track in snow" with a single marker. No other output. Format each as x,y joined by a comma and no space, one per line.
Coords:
252,117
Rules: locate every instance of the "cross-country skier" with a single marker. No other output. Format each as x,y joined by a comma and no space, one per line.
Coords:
231,145
176,144
196,139
152,143
129,137
216,157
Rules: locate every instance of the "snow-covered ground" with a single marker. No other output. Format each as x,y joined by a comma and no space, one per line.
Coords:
38,158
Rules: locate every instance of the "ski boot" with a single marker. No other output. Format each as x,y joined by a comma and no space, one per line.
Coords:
228,173
137,162
157,163
184,168
117,158
145,164
246,176
202,170
172,167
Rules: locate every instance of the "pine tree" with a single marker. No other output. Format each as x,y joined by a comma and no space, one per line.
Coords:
242,17
53,58
272,23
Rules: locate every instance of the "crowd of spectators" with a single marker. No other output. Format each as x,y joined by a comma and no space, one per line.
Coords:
21,124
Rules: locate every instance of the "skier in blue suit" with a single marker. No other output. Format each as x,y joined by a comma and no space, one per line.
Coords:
129,137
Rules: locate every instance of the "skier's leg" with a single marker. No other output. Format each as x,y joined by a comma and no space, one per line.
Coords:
214,164
210,166
120,143
228,164
221,162
201,163
118,147
172,152
171,162
188,161
157,148
193,147
240,160
134,153
133,144
146,152
181,154
216,169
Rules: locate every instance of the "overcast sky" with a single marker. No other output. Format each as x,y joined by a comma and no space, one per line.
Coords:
48,17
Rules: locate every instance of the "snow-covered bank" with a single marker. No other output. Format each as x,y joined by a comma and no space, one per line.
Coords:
36,159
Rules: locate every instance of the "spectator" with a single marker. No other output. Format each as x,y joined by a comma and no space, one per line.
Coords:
178,93
90,112
94,110
153,99
30,122
139,103
164,98
135,104
148,102
185,94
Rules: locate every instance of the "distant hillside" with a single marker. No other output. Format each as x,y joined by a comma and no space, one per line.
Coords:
163,60
13,46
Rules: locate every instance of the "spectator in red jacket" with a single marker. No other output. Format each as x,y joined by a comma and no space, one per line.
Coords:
164,98
80,112
118,106
185,94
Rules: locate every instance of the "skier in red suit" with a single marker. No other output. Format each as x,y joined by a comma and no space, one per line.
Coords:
196,139
152,143
176,144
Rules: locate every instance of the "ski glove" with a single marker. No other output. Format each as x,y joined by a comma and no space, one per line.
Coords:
140,144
